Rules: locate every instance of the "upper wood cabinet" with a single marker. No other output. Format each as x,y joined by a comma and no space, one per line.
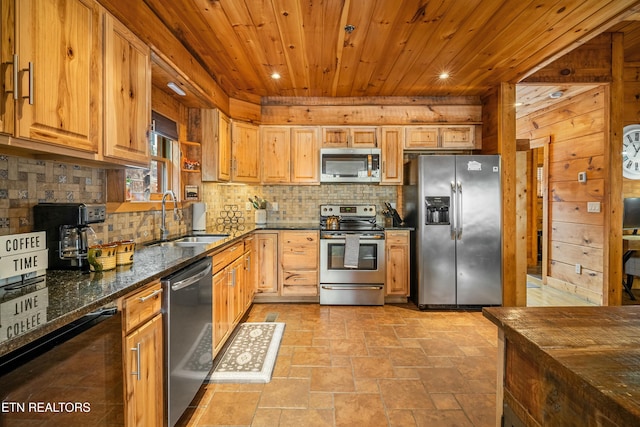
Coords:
442,137
276,149
212,129
245,152
305,155
58,48
127,95
291,155
355,137
421,137
458,137
391,142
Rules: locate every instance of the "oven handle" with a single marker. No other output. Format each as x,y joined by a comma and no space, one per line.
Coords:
329,236
352,288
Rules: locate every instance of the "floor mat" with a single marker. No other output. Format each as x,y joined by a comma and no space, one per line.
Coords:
251,355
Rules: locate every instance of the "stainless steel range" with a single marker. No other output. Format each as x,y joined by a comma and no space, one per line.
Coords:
352,256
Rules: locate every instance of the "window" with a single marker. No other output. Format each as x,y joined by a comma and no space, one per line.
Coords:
150,184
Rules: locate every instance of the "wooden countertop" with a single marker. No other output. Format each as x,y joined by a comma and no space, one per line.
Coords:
594,350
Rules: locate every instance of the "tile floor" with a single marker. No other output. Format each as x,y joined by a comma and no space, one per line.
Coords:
365,366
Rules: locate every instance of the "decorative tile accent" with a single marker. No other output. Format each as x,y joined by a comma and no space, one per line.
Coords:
62,179
23,194
4,222
4,194
48,195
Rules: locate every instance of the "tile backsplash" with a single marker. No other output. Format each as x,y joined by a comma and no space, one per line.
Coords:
24,182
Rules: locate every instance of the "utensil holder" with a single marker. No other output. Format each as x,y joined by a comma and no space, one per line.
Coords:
261,216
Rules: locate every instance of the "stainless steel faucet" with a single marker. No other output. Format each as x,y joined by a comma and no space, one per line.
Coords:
163,229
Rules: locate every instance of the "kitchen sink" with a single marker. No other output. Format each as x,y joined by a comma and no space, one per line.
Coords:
190,241
202,239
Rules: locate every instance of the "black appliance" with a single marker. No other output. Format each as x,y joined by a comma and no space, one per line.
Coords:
69,232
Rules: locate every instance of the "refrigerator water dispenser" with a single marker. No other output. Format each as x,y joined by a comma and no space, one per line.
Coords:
437,210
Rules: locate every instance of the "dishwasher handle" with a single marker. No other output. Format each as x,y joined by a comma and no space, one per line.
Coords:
191,280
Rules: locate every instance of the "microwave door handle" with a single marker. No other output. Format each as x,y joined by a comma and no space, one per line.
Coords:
369,165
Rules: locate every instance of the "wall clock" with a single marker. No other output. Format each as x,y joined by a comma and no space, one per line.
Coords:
631,152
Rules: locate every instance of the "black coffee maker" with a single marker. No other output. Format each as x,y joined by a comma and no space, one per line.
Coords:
69,232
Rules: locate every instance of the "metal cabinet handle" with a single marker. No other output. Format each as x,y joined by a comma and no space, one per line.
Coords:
248,262
137,373
14,64
151,295
30,70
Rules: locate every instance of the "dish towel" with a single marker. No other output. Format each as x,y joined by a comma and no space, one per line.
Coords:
351,250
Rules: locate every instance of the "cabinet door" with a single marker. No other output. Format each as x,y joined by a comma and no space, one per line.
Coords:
275,148
249,277
224,147
7,49
245,152
421,137
127,95
236,290
391,147
144,375
220,307
305,155
397,244
363,137
335,137
266,253
59,45
458,137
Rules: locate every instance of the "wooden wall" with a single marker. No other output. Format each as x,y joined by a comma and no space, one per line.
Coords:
631,80
377,111
578,131
498,137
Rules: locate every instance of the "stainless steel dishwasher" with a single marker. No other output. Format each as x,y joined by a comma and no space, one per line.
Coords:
188,335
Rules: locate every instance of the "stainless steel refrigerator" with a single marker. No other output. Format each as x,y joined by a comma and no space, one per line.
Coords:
454,203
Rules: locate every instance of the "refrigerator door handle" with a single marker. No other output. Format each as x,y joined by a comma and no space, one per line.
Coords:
453,219
459,212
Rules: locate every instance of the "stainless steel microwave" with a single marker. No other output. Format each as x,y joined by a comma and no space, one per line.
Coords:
350,165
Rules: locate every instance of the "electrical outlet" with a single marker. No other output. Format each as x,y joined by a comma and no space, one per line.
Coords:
593,207
582,177
578,269
274,206
248,206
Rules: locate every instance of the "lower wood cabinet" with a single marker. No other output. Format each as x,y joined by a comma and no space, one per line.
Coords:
232,289
298,258
398,262
220,309
265,250
143,357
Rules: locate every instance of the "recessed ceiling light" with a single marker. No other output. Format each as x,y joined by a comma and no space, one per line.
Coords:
556,95
444,75
275,76
177,89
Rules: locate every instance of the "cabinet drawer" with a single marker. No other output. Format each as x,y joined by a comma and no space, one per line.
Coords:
396,238
299,250
306,290
227,256
300,277
141,306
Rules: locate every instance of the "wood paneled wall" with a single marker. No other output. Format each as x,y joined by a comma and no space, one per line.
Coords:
631,78
578,130
498,137
371,110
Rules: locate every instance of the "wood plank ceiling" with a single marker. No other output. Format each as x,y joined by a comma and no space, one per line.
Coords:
397,48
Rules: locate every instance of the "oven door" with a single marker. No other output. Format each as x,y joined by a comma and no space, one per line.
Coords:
371,261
